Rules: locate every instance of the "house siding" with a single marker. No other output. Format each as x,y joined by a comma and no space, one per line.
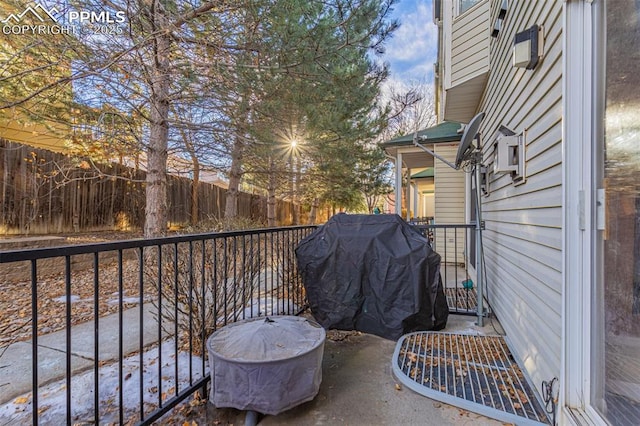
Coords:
523,236
470,43
449,203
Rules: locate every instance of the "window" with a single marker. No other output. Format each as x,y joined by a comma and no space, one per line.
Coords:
620,283
464,5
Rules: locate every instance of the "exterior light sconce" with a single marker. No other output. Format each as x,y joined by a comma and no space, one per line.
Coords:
509,155
497,26
527,48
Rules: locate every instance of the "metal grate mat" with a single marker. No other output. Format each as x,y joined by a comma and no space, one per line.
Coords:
461,300
476,373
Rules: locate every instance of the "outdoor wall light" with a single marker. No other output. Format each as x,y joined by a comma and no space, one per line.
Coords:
527,48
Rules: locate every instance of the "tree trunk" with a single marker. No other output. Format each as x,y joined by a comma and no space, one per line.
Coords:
196,178
296,191
235,174
194,191
271,197
156,191
313,214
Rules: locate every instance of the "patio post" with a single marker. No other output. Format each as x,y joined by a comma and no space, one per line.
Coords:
479,254
408,194
398,200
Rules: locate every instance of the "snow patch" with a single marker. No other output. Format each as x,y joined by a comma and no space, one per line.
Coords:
52,398
73,298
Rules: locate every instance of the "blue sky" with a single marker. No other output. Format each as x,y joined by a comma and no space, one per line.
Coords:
412,50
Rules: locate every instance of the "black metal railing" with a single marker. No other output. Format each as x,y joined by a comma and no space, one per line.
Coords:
455,244
426,220
134,317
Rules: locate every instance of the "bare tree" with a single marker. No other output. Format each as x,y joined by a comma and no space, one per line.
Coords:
412,108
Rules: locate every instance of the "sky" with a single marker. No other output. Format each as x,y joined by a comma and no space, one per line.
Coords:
412,50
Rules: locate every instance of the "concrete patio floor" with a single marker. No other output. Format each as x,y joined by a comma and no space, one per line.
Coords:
358,388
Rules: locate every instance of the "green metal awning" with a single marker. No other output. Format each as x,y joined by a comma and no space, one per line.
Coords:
426,173
413,156
447,131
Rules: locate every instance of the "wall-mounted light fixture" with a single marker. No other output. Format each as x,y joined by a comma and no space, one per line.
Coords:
527,48
502,12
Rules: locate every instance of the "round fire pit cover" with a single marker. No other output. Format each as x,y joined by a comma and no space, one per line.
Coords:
267,365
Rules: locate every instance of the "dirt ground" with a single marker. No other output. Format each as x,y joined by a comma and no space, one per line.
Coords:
15,296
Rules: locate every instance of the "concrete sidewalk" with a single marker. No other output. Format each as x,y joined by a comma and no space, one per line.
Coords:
15,363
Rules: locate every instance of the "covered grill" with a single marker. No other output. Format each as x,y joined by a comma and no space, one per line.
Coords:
372,273
267,365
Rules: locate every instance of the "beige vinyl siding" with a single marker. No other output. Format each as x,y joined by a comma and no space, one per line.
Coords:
449,204
523,236
470,43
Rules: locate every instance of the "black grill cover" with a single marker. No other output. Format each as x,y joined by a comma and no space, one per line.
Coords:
372,273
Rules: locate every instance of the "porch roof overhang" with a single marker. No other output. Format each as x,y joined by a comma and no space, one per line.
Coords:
414,157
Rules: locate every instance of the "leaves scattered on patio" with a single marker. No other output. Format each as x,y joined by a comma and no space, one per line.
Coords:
474,372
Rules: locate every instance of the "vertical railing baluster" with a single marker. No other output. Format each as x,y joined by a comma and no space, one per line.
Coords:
293,296
443,262
245,275
285,268
455,271
141,328
67,289
176,320
253,273
34,339
190,309
96,345
216,285
159,257
120,339
274,262
235,278
292,270
225,277
266,272
203,308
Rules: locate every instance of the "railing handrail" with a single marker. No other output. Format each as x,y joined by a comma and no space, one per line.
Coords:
445,226
9,256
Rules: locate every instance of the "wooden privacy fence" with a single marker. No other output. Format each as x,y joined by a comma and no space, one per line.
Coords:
46,192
